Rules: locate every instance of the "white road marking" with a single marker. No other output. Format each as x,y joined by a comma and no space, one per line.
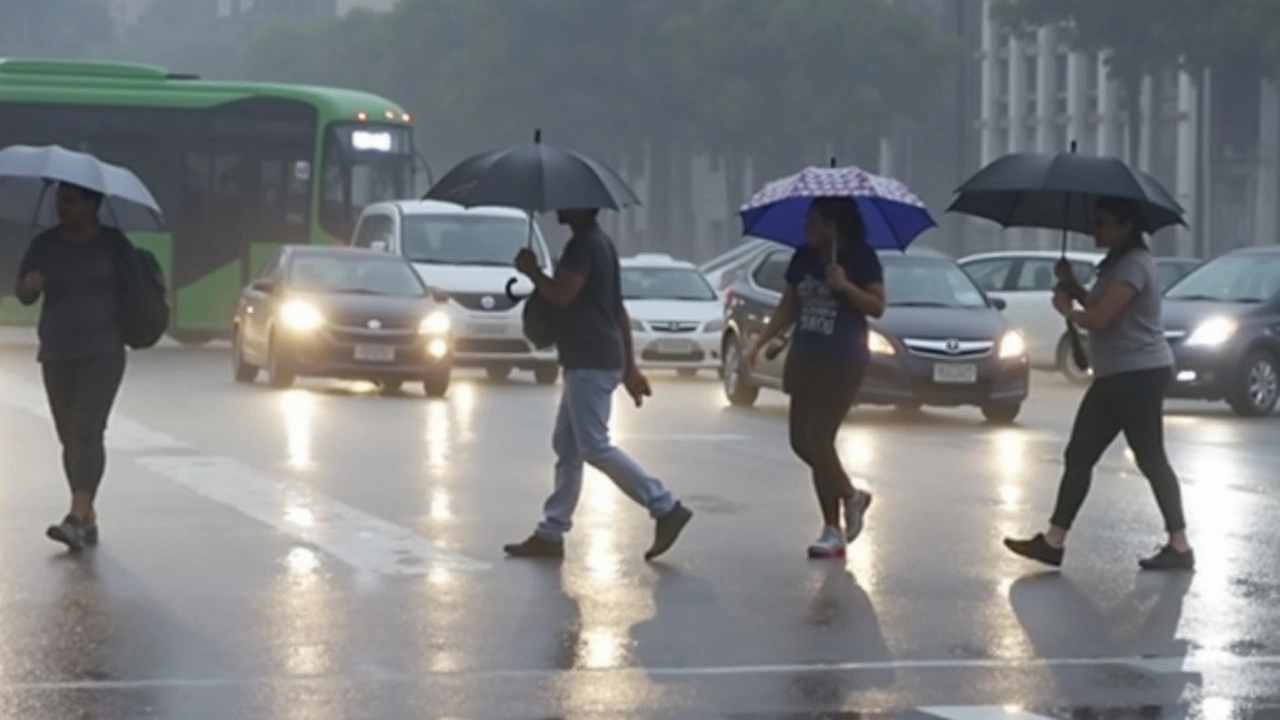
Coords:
365,542
683,437
1209,663
980,712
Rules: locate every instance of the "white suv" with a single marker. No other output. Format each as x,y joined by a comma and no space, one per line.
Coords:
465,255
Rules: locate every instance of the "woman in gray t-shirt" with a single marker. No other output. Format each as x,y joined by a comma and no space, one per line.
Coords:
1132,368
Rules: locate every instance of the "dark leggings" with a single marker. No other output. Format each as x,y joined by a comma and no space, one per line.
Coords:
822,392
1132,403
81,393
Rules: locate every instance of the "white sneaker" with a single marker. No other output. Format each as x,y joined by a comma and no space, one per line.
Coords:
855,512
830,544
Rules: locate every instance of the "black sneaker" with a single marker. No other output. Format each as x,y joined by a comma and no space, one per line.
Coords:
1036,548
1169,559
69,532
667,529
535,546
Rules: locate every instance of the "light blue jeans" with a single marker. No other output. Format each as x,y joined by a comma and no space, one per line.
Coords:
582,436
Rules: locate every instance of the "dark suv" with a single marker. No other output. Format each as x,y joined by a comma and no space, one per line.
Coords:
940,342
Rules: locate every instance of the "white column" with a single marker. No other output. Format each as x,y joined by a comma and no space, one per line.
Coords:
1078,109
1187,156
1146,120
1107,96
1017,112
1265,222
1047,91
886,156
989,85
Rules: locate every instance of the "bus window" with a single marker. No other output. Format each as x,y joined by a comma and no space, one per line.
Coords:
363,164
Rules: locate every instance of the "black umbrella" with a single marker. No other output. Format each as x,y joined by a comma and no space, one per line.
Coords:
534,177
1057,192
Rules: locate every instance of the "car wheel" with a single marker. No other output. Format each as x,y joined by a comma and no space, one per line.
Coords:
241,370
435,386
546,374
280,373
737,388
1257,385
498,372
1003,414
687,372
1067,362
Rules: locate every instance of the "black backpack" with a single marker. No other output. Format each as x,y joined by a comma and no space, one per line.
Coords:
144,302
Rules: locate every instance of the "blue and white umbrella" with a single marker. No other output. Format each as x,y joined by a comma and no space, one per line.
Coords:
892,214
27,174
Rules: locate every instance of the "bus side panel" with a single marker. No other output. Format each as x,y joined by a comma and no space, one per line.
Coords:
208,304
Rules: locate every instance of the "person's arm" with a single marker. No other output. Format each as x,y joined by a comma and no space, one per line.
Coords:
1129,277
864,283
781,318
869,299
1103,312
27,293
628,343
571,275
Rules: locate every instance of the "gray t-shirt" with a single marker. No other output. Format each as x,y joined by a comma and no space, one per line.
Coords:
588,335
1135,339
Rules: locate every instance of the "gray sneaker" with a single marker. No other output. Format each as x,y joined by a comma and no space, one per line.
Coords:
69,532
855,513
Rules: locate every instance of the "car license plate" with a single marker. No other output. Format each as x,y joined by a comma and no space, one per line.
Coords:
955,373
487,330
675,347
375,353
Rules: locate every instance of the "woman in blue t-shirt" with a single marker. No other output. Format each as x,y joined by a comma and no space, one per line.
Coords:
828,303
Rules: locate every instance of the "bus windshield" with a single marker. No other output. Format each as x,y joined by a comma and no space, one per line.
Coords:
363,164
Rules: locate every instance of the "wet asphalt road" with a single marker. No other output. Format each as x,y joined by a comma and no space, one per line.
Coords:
326,553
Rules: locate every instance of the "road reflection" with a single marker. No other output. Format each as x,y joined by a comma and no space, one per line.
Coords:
305,635
298,407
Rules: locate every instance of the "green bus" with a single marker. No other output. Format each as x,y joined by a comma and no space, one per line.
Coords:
239,168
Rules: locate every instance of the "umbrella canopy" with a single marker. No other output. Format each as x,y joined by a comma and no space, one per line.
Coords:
534,177
1057,192
27,173
892,214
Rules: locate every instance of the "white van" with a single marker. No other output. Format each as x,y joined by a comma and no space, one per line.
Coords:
466,254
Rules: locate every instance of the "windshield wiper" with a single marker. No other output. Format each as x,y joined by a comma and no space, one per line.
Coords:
1199,298
356,291
922,304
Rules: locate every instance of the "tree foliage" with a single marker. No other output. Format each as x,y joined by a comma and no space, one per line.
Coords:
66,28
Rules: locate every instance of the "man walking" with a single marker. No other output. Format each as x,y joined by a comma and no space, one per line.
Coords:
593,339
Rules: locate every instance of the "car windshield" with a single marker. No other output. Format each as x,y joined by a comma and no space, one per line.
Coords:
454,239
359,275
648,283
917,282
1241,278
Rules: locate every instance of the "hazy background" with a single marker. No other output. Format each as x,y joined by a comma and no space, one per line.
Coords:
699,101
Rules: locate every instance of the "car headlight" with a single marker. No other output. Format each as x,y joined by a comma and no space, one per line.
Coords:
879,344
301,316
437,348
437,323
714,326
1213,332
1012,345
636,325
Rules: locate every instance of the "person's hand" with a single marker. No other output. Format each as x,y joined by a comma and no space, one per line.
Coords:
1061,301
33,281
637,385
836,279
526,262
750,355
1067,276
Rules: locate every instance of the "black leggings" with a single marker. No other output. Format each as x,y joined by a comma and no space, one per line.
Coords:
1132,403
822,392
81,393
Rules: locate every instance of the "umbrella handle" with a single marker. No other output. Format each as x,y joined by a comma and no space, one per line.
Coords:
511,291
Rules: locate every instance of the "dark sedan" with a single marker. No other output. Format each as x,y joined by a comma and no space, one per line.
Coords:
1223,322
940,342
341,313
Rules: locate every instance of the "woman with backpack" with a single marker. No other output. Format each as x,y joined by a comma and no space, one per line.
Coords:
74,267
1132,368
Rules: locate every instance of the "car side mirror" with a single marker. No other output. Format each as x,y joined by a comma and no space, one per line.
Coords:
379,245
999,303
263,285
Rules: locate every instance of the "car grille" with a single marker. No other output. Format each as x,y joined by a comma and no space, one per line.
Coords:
491,345
673,326
495,302
359,335
949,349
694,355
